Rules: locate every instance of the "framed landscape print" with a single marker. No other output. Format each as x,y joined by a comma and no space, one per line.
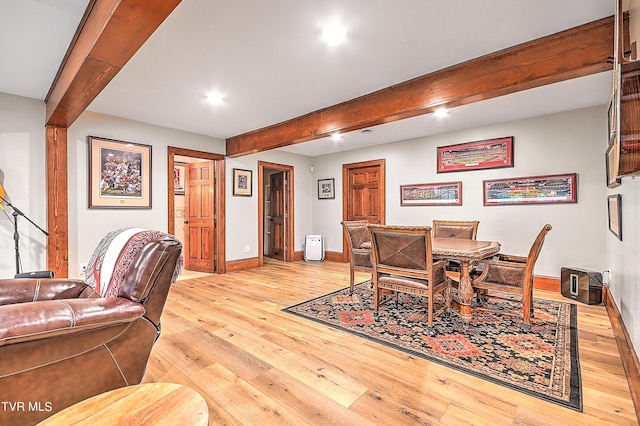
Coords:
326,189
487,154
431,194
119,174
242,182
548,189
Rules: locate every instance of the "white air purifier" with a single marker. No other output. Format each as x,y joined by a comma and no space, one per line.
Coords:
314,248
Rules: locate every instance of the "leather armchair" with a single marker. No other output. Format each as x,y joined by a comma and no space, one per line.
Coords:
62,342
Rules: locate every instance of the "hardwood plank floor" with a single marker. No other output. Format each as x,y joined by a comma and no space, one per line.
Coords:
226,337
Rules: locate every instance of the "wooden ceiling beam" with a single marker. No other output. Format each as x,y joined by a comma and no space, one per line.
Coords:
110,33
573,53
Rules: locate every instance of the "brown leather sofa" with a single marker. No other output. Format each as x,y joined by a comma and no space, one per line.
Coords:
61,342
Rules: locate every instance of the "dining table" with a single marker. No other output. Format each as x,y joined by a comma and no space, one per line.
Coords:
466,252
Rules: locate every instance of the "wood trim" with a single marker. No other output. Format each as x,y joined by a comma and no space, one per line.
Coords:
334,256
576,52
241,264
543,283
219,200
109,34
57,202
290,231
625,346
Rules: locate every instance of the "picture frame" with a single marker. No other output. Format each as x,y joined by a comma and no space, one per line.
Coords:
614,208
612,117
119,174
611,166
479,155
548,189
242,182
431,194
179,176
326,189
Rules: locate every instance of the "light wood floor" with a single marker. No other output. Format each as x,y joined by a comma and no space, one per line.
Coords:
226,337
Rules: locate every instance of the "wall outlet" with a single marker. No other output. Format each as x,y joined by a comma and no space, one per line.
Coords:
606,276
246,249
83,268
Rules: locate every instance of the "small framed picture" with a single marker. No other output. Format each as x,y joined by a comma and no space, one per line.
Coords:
326,189
242,182
614,207
179,170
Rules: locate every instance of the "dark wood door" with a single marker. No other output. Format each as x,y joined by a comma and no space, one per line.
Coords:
199,222
363,194
278,210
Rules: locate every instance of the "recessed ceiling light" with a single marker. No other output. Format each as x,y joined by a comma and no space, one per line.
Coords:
215,98
336,137
334,33
441,112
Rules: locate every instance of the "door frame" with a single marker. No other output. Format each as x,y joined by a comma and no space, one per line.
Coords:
346,168
218,201
289,219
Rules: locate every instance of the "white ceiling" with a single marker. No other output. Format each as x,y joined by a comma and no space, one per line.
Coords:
267,60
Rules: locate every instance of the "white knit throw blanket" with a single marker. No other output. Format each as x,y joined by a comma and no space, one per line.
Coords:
113,257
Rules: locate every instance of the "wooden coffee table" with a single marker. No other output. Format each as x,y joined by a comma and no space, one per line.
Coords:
145,404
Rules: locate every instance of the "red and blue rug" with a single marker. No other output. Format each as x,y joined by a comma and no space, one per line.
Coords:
542,362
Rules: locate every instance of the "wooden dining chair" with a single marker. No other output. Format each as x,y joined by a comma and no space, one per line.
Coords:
511,274
403,263
358,245
461,229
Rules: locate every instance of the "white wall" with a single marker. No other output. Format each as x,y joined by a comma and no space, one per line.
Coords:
88,226
622,257
242,212
23,176
561,143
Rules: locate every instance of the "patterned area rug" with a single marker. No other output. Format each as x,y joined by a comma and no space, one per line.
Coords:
542,362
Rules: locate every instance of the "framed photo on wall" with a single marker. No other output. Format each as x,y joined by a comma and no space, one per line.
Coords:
431,194
550,189
179,170
242,182
486,154
326,189
614,207
119,174
611,166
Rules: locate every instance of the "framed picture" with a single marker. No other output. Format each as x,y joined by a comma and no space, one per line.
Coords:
242,182
179,170
611,166
431,194
614,204
548,189
487,154
119,174
326,189
612,117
